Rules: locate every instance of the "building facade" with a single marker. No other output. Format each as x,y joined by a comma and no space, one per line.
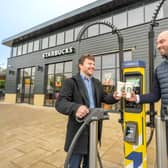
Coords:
43,56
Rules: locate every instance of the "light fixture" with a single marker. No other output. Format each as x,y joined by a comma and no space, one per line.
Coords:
11,72
39,68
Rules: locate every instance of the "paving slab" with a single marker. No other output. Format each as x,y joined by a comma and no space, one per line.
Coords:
33,137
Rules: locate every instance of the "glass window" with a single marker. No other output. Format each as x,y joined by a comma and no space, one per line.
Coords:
161,13
52,40
149,11
50,84
45,43
109,76
59,68
93,30
24,48
120,20
97,74
69,36
108,61
19,51
104,28
60,38
14,51
33,71
135,16
58,81
108,80
27,72
68,66
55,79
98,62
51,68
30,47
77,30
36,45
49,90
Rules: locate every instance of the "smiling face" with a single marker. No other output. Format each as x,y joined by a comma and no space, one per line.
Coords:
162,43
87,67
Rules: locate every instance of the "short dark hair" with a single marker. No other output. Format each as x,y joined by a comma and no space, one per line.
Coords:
86,56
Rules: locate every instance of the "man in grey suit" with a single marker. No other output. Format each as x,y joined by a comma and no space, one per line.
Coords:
77,96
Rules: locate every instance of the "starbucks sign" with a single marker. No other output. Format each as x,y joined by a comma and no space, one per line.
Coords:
55,53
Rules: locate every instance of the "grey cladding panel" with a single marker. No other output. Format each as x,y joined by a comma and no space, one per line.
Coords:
133,36
10,83
99,44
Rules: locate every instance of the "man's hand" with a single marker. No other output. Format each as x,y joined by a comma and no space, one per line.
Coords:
82,111
116,95
133,97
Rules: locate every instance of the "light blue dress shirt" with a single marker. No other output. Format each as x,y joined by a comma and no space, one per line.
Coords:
89,87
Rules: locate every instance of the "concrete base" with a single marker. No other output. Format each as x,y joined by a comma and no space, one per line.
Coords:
39,99
158,107
10,98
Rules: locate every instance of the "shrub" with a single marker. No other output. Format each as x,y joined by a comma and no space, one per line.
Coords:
2,84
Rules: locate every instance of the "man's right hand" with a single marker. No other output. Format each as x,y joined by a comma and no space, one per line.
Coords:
133,97
82,111
116,96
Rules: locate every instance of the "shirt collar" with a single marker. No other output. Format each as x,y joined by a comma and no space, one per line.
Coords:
84,77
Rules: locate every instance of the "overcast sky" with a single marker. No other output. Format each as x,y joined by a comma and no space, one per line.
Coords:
19,15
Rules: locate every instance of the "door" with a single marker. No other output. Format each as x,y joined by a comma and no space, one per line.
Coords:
25,87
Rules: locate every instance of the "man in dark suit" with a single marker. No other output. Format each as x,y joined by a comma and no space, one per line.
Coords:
77,95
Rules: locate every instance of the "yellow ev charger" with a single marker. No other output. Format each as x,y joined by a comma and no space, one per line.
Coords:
134,123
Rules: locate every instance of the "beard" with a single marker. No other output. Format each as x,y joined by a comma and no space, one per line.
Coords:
165,56
164,52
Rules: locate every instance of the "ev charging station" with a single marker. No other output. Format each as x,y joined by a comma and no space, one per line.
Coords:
134,115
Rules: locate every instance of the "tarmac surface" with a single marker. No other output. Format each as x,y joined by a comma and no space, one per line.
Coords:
33,137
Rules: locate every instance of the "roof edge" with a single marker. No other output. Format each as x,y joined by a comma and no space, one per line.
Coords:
9,41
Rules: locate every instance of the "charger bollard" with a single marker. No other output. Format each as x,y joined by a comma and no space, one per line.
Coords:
161,149
161,139
93,144
95,115
93,138
134,117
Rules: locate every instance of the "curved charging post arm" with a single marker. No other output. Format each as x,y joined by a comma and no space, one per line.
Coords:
95,114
